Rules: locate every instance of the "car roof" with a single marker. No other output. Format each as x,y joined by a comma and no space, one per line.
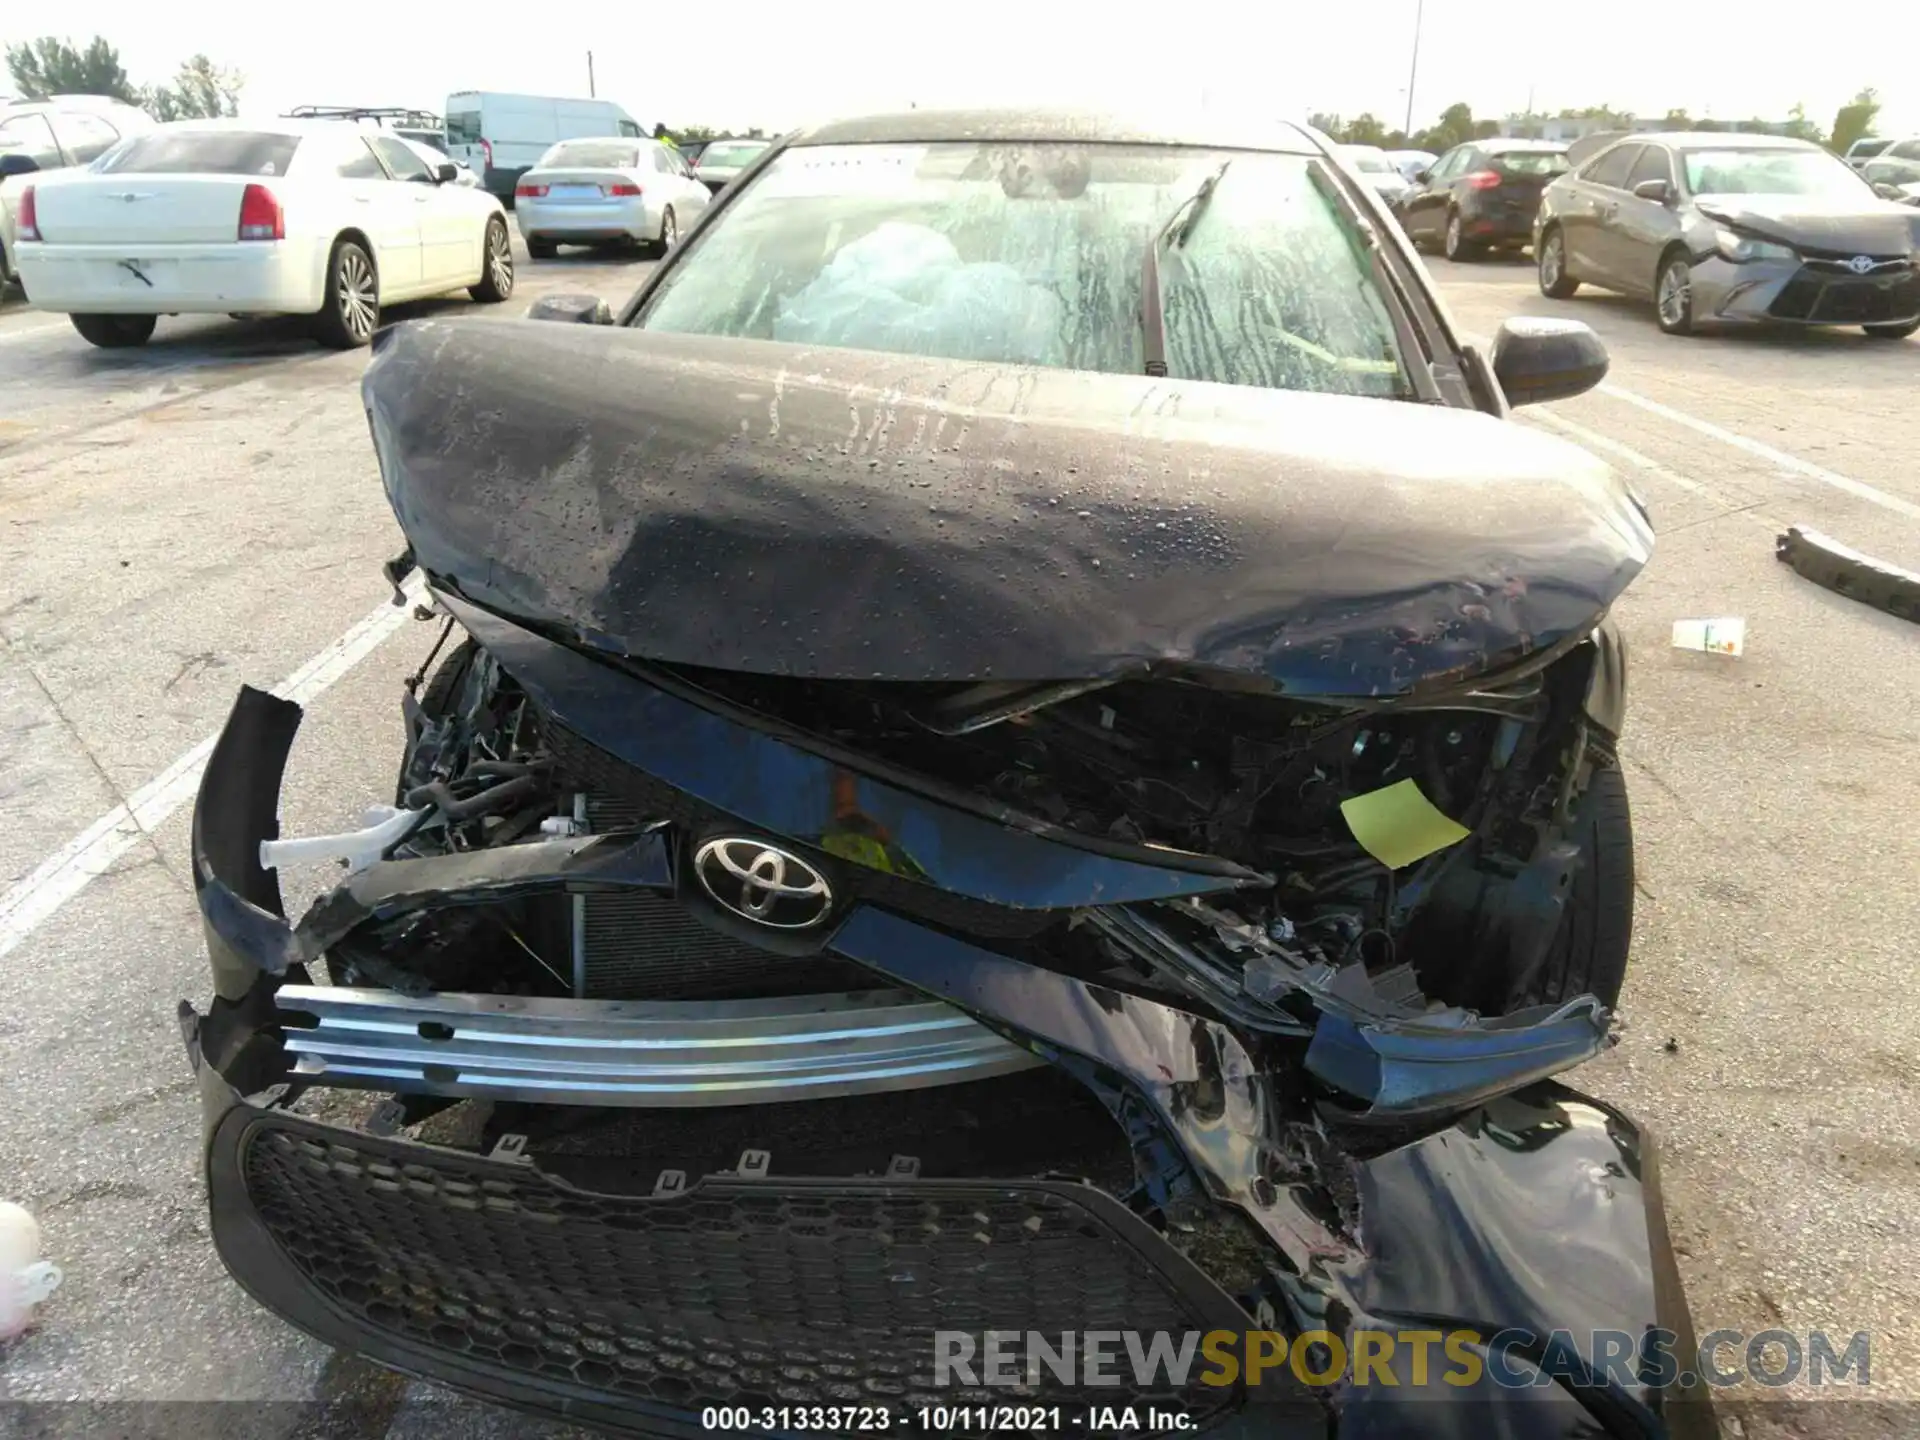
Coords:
1496,144
1016,125
1722,140
259,127
68,102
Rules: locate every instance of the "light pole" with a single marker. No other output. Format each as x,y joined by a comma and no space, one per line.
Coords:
1419,7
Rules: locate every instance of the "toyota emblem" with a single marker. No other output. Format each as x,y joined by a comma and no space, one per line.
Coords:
763,883
1860,264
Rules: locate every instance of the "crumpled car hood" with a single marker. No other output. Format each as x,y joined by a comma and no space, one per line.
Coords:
1867,226
841,514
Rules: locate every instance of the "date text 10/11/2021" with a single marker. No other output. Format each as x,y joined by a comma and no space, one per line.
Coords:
949,1419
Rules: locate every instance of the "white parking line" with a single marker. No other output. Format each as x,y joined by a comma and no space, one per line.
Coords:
92,852
1859,489
1606,444
1780,459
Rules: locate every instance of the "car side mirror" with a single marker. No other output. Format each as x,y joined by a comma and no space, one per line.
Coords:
1657,191
445,173
1537,359
1421,177
14,163
1888,192
572,310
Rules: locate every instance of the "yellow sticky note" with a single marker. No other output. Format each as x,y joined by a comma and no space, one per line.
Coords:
1399,825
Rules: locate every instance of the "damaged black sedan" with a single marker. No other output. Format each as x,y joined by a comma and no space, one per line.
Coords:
1021,745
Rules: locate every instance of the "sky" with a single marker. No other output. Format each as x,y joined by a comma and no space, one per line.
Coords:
777,65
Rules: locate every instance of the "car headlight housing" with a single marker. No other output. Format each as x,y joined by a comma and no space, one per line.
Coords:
1744,248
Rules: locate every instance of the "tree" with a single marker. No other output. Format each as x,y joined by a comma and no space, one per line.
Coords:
1855,121
200,91
51,66
1366,129
1456,127
1800,127
1332,126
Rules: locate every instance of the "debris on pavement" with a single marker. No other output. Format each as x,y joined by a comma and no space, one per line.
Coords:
1725,636
25,1279
1847,572
1672,1047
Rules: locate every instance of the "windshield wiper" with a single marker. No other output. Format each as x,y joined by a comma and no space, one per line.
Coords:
1153,310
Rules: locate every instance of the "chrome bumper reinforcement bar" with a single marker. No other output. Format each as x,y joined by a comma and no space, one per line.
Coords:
635,1053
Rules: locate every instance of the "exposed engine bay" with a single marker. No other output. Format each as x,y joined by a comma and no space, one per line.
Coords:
1250,782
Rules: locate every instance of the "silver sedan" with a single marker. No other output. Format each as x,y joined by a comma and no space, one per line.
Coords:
604,191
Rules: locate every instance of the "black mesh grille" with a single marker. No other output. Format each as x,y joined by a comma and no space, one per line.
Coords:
645,946
745,1295
1824,299
634,794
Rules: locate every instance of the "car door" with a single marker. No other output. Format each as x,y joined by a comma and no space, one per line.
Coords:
383,210
1631,241
1591,209
1427,204
695,196
450,229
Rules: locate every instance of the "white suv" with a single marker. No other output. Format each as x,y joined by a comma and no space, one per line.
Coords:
57,133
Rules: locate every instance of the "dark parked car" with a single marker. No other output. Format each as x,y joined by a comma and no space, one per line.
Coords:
721,161
1730,229
1025,743
1481,196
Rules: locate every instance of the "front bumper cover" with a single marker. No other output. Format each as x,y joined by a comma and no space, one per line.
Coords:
495,1277
1786,292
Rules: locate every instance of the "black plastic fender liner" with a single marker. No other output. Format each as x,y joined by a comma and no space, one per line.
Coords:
1846,571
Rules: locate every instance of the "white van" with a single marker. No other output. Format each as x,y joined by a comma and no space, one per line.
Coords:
500,136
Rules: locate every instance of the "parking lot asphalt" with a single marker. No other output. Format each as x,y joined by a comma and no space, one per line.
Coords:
206,511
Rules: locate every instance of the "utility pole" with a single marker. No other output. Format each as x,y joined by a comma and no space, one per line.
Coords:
591,92
1419,8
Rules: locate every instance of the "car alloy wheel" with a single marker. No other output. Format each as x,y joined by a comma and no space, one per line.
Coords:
1453,237
1550,262
669,232
1674,295
500,259
359,299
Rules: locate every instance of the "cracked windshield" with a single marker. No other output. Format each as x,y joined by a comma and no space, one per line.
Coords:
1035,253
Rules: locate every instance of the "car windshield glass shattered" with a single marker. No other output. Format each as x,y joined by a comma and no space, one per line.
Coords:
591,155
1032,254
1772,172
731,157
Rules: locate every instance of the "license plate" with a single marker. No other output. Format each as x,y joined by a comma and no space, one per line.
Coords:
575,192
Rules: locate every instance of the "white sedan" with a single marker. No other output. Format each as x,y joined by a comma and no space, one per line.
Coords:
611,190
231,217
